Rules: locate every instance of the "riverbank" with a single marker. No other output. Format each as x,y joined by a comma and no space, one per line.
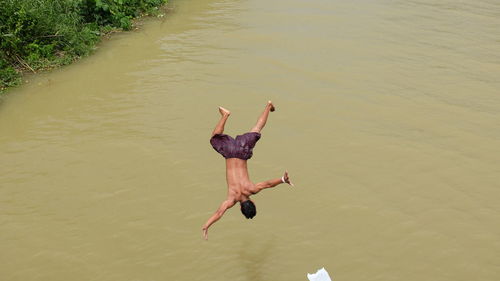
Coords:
41,35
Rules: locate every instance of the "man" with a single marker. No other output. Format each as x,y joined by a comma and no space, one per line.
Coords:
237,151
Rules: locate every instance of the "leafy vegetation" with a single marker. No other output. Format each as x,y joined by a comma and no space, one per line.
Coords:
41,34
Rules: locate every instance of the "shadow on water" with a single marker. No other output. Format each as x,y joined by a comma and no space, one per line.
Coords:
253,256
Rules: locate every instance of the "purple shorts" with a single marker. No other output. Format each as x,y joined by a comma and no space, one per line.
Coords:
241,147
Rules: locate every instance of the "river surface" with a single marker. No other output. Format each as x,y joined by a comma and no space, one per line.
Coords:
388,120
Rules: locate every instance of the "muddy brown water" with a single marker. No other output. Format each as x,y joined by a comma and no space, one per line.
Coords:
388,119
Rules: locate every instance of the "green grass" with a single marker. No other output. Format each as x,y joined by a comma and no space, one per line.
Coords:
42,34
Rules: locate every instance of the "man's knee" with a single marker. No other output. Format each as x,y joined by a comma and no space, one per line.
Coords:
255,129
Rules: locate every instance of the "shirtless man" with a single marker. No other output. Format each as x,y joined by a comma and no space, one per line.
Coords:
237,151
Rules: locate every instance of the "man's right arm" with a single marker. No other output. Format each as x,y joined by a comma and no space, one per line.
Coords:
272,183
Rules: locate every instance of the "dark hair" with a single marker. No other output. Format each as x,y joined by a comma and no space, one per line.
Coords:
248,209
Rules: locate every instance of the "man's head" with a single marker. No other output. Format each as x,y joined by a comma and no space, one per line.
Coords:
248,209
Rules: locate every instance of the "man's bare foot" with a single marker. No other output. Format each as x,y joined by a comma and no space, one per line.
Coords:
270,103
224,112
287,179
205,233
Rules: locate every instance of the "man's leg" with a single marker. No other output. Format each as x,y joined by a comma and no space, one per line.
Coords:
261,122
219,128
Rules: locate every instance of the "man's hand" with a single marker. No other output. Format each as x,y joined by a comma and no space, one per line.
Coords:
205,233
287,179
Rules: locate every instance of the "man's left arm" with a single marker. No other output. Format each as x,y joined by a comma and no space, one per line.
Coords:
228,203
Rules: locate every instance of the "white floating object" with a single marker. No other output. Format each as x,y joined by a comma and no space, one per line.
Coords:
320,275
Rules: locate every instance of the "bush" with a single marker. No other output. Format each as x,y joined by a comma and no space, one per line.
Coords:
116,13
38,34
40,28
8,76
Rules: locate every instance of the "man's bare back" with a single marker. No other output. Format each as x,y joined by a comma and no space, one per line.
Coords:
237,152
